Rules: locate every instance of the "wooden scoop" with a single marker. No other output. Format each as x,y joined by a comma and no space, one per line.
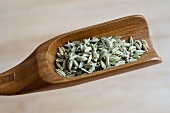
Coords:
37,72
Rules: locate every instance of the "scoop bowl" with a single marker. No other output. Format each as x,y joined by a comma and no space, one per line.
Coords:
37,72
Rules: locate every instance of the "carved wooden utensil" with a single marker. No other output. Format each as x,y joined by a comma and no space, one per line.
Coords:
37,72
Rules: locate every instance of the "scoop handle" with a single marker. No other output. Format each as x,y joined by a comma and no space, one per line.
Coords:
22,78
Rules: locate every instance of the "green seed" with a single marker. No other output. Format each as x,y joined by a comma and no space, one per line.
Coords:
131,41
103,65
61,51
60,72
114,59
138,44
120,63
59,66
59,60
93,54
115,49
132,48
107,61
94,39
81,58
103,54
70,64
117,37
85,70
145,45
59,55
139,52
132,59
92,69
64,64
75,63
89,59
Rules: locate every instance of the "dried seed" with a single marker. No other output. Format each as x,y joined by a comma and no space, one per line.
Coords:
73,71
59,66
77,43
89,59
136,56
94,39
103,40
60,72
71,75
103,55
81,58
59,55
115,49
97,65
113,40
61,51
139,52
122,49
120,63
65,55
87,41
109,38
85,70
120,43
85,55
93,47
107,60
117,37
131,41
102,49
59,60
132,48
72,53
71,57
70,64
109,43
94,59
138,44
75,63
64,64
103,65
87,49
69,44
89,65
94,54
145,45
81,64
144,42
114,59
123,55
126,44
118,53
132,59
92,69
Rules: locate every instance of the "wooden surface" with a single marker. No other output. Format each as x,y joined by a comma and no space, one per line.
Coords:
26,24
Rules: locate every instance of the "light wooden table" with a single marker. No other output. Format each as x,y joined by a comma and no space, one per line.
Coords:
26,24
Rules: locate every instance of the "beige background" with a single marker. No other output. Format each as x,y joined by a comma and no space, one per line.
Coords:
24,24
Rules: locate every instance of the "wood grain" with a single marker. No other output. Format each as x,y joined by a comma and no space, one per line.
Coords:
19,78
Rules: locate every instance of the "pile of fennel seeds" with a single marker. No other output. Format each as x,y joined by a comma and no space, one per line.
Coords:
93,54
